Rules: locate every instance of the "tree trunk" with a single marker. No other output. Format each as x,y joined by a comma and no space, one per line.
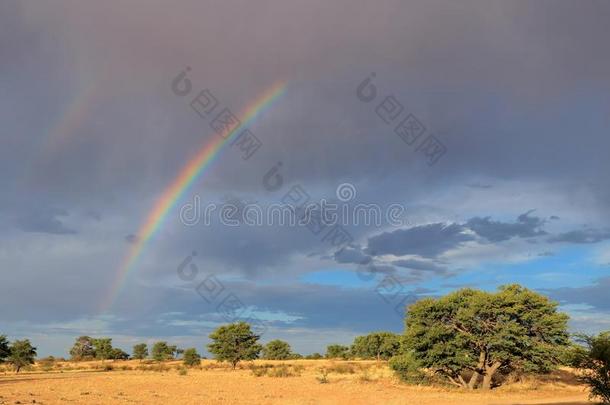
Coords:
489,373
474,379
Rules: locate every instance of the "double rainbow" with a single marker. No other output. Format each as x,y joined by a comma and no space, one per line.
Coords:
185,178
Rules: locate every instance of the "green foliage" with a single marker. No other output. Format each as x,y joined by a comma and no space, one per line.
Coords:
22,354
5,351
82,349
594,362
476,332
119,354
162,351
234,342
103,348
314,356
407,368
191,357
277,350
140,351
376,345
337,351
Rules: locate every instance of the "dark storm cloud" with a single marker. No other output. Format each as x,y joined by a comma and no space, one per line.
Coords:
425,240
526,226
582,236
45,221
352,255
595,295
541,118
416,264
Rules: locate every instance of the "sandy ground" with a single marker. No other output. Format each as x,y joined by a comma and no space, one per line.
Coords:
131,382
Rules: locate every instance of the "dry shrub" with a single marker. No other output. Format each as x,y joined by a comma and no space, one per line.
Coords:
258,371
282,371
342,369
323,377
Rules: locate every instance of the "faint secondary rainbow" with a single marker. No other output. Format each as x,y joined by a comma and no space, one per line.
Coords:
185,178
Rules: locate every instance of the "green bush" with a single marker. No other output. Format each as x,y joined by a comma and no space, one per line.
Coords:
594,362
407,368
191,357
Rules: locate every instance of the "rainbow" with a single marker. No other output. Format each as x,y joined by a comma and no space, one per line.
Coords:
185,178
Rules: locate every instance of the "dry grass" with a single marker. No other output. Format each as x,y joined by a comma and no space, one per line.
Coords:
260,382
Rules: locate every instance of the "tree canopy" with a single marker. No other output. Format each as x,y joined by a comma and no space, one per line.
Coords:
162,351
140,351
5,350
22,354
191,357
337,351
277,350
481,333
82,349
594,362
376,345
234,342
102,348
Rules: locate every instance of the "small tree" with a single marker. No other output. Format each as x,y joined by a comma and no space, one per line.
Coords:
277,350
377,345
162,351
119,354
140,351
82,349
5,350
191,357
173,351
103,348
337,351
234,342
594,361
314,356
482,333
22,354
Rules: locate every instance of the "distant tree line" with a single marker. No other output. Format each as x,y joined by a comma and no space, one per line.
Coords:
469,338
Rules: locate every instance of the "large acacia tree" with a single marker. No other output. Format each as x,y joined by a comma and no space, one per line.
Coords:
470,335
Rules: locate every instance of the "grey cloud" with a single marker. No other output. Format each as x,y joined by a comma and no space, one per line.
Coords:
352,255
582,236
416,264
45,221
595,295
424,240
526,226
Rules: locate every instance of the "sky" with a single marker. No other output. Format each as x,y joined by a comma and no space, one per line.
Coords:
502,180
